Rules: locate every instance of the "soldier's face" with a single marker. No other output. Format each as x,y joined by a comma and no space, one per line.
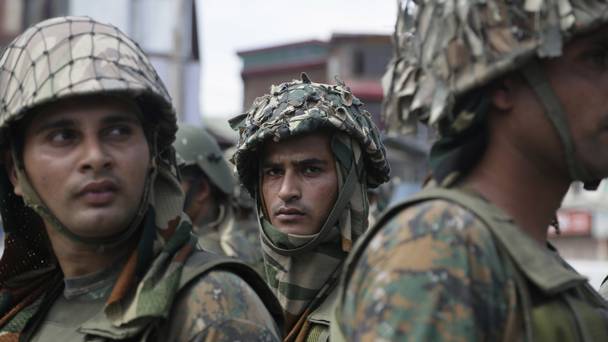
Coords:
579,78
87,159
299,183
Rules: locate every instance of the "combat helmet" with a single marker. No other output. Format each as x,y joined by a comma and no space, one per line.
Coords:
300,107
67,57
195,146
445,49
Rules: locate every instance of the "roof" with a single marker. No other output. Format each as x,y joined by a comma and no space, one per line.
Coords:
314,42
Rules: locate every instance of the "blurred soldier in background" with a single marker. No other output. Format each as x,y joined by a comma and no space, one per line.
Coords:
307,153
519,93
208,184
97,246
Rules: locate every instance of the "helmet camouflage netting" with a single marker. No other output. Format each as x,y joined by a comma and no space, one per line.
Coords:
69,56
445,48
61,58
300,107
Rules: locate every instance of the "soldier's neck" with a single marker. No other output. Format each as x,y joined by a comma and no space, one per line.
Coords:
511,181
77,259
210,214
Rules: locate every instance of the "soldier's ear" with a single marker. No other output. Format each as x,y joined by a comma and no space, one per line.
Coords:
502,94
9,165
203,192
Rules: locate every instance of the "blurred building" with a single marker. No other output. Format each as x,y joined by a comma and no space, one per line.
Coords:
583,224
358,59
17,15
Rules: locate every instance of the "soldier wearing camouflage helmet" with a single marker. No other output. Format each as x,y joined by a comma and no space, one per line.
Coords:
307,152
518,92
208,184
97,246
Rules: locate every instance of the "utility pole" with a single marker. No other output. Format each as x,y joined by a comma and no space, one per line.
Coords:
178,57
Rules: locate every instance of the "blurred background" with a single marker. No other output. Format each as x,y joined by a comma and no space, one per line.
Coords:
217,56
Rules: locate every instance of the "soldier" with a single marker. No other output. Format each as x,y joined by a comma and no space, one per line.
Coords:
97,247
518,91
307,153
208,184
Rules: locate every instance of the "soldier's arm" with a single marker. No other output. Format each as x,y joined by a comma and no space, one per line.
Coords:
431,274
220,306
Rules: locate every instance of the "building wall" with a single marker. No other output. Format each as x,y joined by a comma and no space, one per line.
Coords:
586,248
362,59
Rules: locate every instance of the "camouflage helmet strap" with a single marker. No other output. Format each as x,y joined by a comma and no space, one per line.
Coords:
534,74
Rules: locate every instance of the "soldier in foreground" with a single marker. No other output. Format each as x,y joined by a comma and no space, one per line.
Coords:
518,91
97,247
208,184
307,153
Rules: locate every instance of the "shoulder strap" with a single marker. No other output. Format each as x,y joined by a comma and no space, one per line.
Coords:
202,262
198,264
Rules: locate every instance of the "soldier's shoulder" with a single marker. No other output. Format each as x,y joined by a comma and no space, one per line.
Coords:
432,259
220,303
436,219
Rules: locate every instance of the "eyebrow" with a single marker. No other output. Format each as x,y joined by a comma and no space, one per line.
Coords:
66,122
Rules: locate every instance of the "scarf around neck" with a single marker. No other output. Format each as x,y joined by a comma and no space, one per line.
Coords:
302,280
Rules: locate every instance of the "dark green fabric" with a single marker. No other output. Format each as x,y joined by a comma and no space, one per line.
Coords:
462,139
555,301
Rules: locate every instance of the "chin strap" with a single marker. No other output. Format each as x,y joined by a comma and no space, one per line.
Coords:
537,79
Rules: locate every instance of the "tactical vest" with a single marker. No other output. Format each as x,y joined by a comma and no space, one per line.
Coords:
199,263
555,302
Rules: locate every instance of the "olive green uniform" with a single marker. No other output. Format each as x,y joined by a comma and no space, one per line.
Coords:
164,288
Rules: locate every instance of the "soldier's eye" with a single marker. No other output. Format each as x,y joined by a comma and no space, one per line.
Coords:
119,131
61,136
312,170
272,172
598,57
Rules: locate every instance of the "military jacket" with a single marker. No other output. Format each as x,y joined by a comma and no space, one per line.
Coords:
450,266
219,300
232,237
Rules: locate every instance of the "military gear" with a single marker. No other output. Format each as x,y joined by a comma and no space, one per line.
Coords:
230,236
65,57
75,56
303,270
195,146
225,235
477,276
445,50
300,107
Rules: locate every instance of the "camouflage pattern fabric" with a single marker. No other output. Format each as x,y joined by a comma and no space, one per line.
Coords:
434,269
431,274
302,281
228,236
446,48
301,107
71,56
303,270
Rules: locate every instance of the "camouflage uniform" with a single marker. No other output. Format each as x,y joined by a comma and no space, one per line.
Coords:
164,289
447,265
303,270
226,234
